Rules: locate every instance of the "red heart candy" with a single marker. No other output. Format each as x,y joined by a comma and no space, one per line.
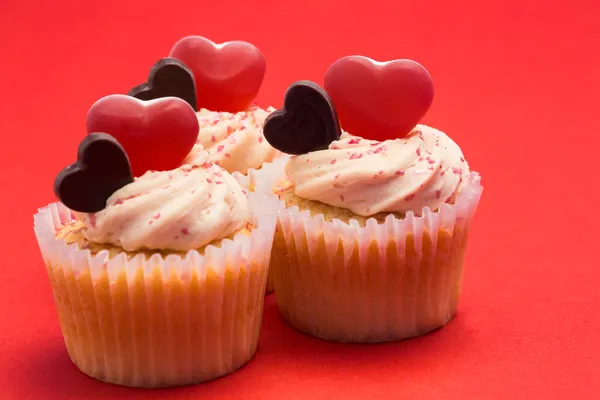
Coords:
157,134
376,100
228,75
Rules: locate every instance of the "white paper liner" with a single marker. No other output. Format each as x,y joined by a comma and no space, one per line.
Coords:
256,177
381,282
162,321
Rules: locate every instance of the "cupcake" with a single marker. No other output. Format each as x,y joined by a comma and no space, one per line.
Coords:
158,279
372,231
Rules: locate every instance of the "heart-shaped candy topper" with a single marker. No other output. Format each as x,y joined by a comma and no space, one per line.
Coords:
157,134
101,169
307,122
228,75
376,100
169,77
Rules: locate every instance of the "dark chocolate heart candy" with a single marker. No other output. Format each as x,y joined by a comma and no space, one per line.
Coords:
307,122
102,168
169,77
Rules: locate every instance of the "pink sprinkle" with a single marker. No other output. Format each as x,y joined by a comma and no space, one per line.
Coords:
227,155
219,182
121,201
93,220
170,176
207,164
332,161
399,173
213,139
430,168
210,196
220,148
229,130
420,159
334,147
208,180
380,172
462,159
232,140
431,161
442,173
355,156
342,198
438,194
457,170
375,144
185,231
418,151
380,149
409,197
193,191
337,176
260,139
156,216
354,141
370,152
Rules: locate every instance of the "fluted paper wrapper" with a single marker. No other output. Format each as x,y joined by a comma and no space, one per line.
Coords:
381,282
158,322
257,178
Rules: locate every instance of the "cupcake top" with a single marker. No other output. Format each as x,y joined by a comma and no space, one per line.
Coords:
173,209
220,82
179,210
233,141
387,162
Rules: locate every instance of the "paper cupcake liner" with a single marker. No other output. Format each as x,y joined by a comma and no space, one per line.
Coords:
381,282
257,178
161,321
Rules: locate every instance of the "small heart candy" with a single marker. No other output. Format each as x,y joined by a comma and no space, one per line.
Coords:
376,100
157,134
228,75
169,77
102,168
307,122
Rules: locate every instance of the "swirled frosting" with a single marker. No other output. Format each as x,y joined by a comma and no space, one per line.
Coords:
233,141
424,169
178,210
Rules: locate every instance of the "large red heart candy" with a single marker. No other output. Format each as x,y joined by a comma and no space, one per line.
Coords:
377,100
228,75
157,134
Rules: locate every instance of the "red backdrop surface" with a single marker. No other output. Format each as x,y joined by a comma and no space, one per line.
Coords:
517,86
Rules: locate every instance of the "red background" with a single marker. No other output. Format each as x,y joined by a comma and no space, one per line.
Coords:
517,86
